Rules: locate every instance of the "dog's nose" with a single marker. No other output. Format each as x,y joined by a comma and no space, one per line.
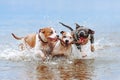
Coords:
82,34
67,41
57,36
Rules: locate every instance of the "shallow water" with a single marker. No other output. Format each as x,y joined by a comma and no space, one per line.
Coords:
77,69
63,70
103,64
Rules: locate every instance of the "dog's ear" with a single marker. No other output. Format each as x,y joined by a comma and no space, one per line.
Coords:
77,26
41,30
91,31
62,32
72,34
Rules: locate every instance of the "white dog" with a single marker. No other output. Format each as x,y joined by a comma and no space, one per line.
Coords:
40,42
64,45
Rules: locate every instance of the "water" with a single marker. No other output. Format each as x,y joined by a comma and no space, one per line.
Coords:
103,64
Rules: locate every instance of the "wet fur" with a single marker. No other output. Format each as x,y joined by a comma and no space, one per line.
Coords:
63,46
90,37
40,41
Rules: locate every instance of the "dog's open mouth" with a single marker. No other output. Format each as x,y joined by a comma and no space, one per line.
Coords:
53,39
81,40
66,43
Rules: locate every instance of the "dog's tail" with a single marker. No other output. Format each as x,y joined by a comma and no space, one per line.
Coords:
66,26
18,38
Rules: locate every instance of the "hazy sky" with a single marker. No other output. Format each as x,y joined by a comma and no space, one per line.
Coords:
44,12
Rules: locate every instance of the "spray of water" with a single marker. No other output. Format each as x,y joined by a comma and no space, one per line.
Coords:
10,53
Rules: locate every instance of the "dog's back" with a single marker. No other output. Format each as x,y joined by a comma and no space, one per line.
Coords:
28,40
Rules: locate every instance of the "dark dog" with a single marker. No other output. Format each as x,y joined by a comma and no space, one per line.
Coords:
81,37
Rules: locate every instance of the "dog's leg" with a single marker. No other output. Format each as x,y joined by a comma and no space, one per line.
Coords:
83,51
21,47
92,48
39,53
92,42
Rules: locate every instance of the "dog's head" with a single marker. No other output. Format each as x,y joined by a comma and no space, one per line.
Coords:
67,37
82,33
48,33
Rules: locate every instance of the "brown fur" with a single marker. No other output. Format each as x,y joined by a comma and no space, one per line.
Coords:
29,40
46,31
40,42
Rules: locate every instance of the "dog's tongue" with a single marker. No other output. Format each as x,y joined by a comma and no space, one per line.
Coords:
81,40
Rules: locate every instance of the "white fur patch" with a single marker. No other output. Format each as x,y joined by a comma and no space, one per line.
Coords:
54,34
37,49
68,37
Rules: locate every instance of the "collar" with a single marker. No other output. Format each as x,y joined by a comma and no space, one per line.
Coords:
41,39
76,36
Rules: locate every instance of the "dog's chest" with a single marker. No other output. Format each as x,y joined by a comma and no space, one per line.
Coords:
60,49
44,47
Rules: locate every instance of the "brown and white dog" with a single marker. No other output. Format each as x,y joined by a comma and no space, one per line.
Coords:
82,36
63,46
40,42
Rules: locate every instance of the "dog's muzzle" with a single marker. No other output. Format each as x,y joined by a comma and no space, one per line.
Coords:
53,39
66,41
82,34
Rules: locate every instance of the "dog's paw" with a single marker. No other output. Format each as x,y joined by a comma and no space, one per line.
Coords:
43,58
84,56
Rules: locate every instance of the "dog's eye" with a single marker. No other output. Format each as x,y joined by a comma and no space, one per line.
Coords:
70,37
51,32
64,36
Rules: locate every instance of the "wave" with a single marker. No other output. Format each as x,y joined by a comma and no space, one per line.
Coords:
104,43
16,55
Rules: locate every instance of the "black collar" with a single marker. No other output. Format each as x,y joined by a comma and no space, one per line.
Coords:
41,39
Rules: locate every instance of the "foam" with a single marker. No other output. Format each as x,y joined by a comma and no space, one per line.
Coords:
8,52
103,43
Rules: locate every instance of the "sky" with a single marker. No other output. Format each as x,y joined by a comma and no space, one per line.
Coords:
93,13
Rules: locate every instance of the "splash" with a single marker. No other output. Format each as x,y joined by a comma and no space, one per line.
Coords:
103,43
16,55
11,53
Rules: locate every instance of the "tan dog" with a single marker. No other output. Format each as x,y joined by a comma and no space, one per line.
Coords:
63,46
40,42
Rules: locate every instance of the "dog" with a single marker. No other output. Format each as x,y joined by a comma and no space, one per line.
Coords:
82,36
39,41
63,46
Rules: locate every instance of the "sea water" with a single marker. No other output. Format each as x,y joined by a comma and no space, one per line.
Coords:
103,64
